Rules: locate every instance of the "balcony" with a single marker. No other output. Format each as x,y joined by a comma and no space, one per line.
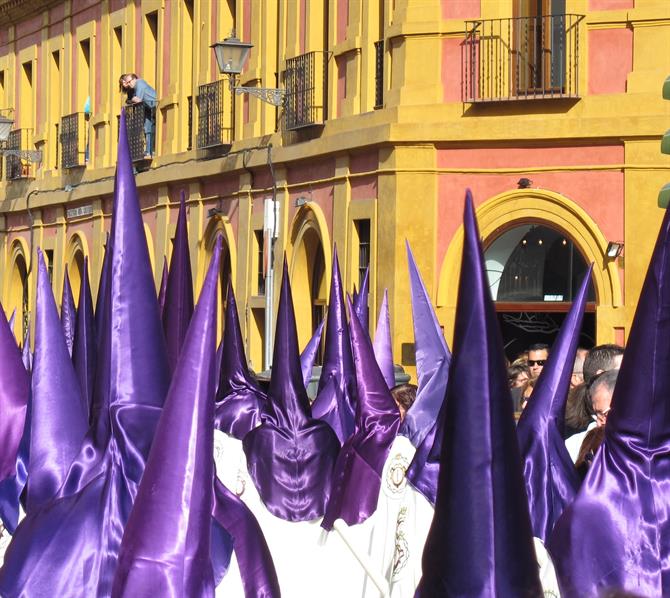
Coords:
136,116
214,126
74,140
16,167
526,58
304,81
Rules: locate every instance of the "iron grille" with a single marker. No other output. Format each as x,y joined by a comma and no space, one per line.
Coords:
379,74
212,131
521,58
304,80
73,140
15,167
136,114
189,140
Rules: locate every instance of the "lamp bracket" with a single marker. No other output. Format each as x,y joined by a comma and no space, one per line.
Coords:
265,94
29,155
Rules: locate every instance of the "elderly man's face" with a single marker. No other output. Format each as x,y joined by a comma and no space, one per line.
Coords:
601,399
536,361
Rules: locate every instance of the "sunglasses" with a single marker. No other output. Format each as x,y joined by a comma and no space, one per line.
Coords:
532,362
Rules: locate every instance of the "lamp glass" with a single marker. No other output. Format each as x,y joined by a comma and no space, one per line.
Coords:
231,54
5,127
664,197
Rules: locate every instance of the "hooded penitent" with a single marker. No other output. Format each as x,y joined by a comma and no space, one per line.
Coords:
480,542
162,290
239,400
616,533
383,346
308,356
290,455
357,476
179,292
361,301
84,351
551,478
68,312
335,400
166,543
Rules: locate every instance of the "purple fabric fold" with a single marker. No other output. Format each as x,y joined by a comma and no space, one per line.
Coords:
179,292
259,577
240,402
621,516
308,356
59,417
162,291
12,318
68,312
26,355
165,549
103,282
480,542
291,455
551,478
336,398
383,345
357,477
360,301
84,352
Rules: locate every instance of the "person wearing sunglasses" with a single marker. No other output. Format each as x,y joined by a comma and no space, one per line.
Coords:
537,357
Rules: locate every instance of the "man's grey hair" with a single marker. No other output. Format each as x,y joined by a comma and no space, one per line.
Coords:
606,379
601,358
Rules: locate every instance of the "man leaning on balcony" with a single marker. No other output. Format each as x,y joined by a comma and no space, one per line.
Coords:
139,91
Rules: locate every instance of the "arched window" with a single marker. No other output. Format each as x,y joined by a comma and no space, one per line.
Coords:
19,296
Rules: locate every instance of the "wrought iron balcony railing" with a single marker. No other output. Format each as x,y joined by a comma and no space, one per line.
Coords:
19,140
521,58
136,116
379,74
304,81
74,140
214,126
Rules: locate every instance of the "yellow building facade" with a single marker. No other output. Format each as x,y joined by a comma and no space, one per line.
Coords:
549,110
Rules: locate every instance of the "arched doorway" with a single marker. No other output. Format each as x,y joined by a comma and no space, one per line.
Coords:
534,272
19,292
75,253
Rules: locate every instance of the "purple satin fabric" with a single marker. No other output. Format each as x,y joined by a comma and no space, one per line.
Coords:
240,402
290,456
26,355
336,397
12,318
178,308
383,345
551,478
103,284
59,418
357,477
361,302
14,392
165,549
163,288
308,356
432,367
621,515
12,486
480,542
68,313
84,352
259,577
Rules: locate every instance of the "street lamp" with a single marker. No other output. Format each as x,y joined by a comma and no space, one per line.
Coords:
231,54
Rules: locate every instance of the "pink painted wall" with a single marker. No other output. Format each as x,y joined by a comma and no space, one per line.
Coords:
306,172
138,37
97,69
322,195
610,4
451,69
363,162
461,9
342,19
57,13
28,26
588,189
115,5
610,60
364,187
218,186
83,14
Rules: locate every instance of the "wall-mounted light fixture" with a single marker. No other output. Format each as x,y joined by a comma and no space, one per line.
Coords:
214,212
301,201
524,183
614,249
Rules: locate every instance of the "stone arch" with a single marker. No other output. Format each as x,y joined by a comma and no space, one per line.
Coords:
18,292
512,208
310,257
76,251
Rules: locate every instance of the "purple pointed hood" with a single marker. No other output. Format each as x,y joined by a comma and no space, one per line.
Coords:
179,293
308,356
357,476
361,301
383,345
621,515
26,355
240,402
551,478
12,318
290,455
480,542
163,288
14,392
59,418
174,560
432,362
68,312
336,397
84,351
